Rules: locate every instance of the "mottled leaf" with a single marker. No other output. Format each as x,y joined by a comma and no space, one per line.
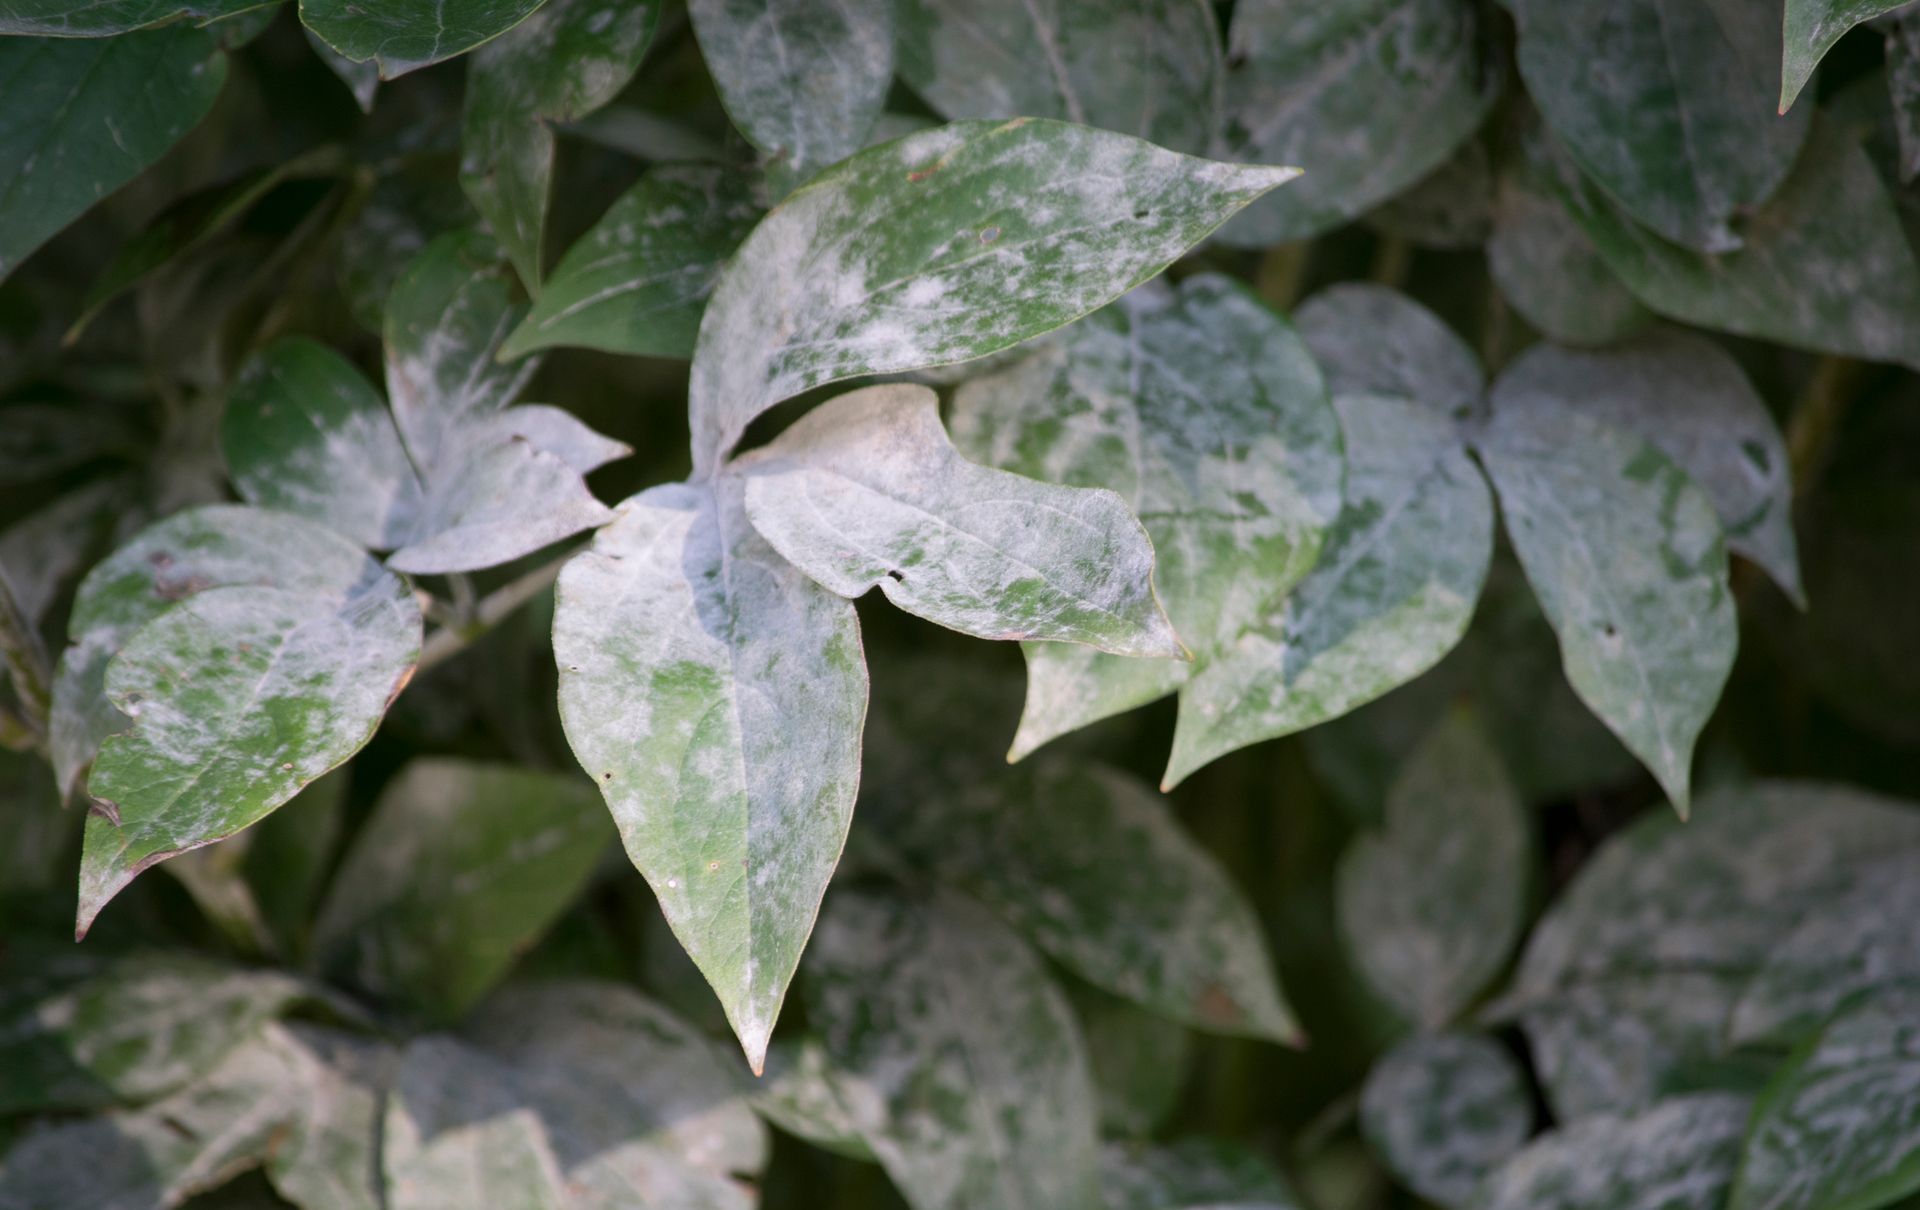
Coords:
494,501
800,1094
1432,904
85,115
1811,29
867,490
65,19
565,61
1444,1111
1627,558
1689,398
1549,271
1677,1155
401,35
459,869
1839,1128
1400,569
460,1132
1150,69
1191,1174
1668,104
637,282
715,694
940,247
1204,411
802,79
1368,96
959,1060
330,1156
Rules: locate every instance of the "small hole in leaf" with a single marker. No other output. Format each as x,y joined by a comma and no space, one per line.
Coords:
607,776
895,576
1142,212
989,235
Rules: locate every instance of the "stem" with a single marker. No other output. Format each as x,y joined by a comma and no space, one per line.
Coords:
1282,271
492,609
1391,260
1816,418
26,660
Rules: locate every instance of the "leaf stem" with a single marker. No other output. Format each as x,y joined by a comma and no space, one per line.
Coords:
1392,258
27,664
1816,418
1282,273
489,611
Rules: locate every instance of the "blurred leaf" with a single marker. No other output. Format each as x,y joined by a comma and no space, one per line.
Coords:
458,1130
1551,272
329,1158
1139,1062
801,1095
402,35
1192,1174
1445,1110
1450,208
40,440
1677,1155
461,866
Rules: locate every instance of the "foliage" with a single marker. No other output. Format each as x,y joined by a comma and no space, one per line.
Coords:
1460,452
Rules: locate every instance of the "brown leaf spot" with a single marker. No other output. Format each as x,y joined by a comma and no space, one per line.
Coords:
1214,1006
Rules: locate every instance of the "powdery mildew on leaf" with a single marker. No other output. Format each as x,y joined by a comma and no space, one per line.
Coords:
716,695
1151,68
1444,1111
944,246
330,1154
804,80
1668,104
1627,559
1205,412
1431,905
1811,29
1368,96
1691,399
800,1094
1839,1127
956,1056
460,868
637,282
866,490
459,1131
401,35
1677,1155
1191,1174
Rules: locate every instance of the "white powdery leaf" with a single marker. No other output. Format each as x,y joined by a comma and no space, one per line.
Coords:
499,499
943,246
1195,1173
1677,1155
867,490
330,1156
459,1132
716,695
1443,1111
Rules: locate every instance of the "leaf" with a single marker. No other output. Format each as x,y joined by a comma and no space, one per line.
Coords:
361,79
939,247
638,281
1812,27
565,61
305,433
507,498
132,1029
1839,1127
800,1094
39,440
330,1156
1397,576
802,80
1678,1155
1825,264
1451,208
258,886
1443,1111
1903,85
460,868
85,116
1691,400
1203,409
1551,272
1152,69
64,19
1432,904
716,696
867,490
1636,971
959,1059
1140,1062
1089,864
1667,104
459,1132
1191,1174
1627,559
1368,96
403,35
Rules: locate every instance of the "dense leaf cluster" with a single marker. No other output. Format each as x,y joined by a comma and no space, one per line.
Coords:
1509,408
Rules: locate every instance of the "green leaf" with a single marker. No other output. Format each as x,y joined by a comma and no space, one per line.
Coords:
1812,27
402,35
1368,96
1627,558
562,63
1192,1174
1399,571
1690,399
85,115
1667,104
689,651
330,1155
867,490
133,1029
361,79
1432,904
638,281
1825,264
1152,69
1205,412
1839,1127
803,81
1678,1155
305,433
943,246
965,1072
801,1094
1549,270
65,19
1637,970
1443,1111
461,867
239,697
1089,864
1139,1062
459,1130
258,886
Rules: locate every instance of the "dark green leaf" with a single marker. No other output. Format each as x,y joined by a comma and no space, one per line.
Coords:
401,35
1550,271
1812,27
